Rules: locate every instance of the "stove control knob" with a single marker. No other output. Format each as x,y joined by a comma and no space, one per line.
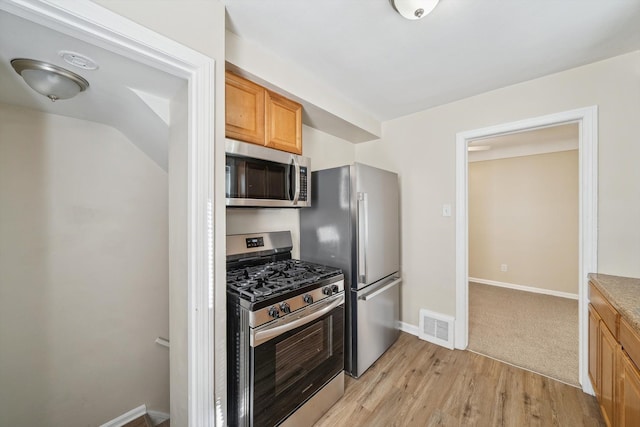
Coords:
284,307
335,289
308,299
326,290
273,312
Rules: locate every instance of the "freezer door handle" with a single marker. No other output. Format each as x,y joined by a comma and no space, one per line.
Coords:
370,295
363,236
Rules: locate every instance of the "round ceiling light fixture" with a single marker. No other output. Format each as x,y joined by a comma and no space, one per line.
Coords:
49,80
414,9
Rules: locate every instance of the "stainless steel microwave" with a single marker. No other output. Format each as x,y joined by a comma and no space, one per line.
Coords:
257,176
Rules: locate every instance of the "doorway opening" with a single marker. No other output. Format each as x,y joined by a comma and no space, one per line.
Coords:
586,119
523,250
200,393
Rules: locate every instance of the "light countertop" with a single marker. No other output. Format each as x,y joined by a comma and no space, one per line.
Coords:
623,293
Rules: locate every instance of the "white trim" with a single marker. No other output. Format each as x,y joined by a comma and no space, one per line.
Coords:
588,223
158,417
409,328
97,25
126,417
524,288
203,361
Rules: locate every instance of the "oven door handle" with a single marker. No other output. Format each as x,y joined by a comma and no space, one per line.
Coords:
269,332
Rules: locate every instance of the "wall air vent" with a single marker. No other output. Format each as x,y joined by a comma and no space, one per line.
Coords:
436,328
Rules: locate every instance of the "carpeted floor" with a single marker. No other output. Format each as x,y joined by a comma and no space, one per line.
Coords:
533,331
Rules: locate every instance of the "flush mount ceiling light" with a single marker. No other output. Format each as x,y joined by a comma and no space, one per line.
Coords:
48,79
414,9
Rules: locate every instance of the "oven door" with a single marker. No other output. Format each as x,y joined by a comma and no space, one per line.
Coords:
295,358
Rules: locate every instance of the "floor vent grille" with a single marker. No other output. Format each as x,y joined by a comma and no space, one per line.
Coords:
436,328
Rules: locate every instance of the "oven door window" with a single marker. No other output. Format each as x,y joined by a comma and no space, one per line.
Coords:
290,368
257,179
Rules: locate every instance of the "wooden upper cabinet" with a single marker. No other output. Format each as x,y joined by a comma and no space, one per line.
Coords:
284,123
257,115
244,115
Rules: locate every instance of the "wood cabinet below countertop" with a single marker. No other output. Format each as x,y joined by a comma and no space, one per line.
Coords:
614,352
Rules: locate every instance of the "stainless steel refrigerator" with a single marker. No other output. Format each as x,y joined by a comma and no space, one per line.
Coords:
354,223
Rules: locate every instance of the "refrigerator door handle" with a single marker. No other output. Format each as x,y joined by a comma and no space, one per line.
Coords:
377,292
363,236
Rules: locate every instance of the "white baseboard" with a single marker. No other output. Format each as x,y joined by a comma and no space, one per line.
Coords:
524,288
157,417
125,418
410,329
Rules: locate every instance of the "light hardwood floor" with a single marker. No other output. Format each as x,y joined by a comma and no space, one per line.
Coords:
416,383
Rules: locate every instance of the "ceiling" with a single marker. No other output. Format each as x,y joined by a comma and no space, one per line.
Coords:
387,65
391,66
125,94
531,142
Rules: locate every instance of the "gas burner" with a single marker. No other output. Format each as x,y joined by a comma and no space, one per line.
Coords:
275,278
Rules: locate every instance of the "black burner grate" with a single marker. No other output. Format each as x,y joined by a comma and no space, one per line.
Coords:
275,278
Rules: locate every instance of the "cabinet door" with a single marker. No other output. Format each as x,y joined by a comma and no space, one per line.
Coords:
629,393
244,113
284,123
594,333
607,373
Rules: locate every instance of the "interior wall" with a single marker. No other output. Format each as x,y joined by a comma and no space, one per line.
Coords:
178,262
83,273
200,25
523,212
421,147
325,151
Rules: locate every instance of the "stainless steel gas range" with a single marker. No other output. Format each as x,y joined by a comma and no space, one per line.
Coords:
285,333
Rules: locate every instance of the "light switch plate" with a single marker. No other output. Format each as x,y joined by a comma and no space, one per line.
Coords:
446,210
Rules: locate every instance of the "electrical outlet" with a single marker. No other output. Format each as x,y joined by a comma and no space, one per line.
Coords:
504,267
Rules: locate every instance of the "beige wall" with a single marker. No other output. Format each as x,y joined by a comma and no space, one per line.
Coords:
83,273
200,25
421,147
325,151
178,271
523,212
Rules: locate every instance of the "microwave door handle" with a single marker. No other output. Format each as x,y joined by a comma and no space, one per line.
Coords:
289,181
296,181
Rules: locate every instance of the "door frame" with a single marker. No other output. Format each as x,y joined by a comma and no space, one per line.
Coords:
587,120
206,392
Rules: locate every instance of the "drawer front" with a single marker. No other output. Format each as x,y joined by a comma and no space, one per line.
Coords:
630,341
609,315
